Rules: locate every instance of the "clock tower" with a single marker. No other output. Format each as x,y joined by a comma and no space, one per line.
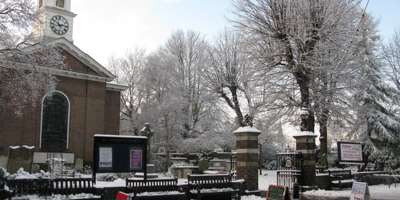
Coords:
56,20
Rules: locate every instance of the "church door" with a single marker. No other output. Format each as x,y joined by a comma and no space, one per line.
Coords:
55,119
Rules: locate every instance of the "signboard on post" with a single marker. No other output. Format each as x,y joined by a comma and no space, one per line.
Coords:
350,152
119,154
276,192
359,191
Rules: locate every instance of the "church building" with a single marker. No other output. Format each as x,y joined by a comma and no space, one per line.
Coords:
85,102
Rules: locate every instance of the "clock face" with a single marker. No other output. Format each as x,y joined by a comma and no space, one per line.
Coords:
59,25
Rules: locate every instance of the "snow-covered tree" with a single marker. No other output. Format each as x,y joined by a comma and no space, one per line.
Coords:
21,81
391,54
232,75
130,71
381,126
306,49
186,55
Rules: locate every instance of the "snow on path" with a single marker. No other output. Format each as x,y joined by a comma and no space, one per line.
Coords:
252,197
267,178
378,192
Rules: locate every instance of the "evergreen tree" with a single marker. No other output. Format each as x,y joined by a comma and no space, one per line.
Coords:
381,132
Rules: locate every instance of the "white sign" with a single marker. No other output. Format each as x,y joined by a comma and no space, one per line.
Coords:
359,191
105,157
351,152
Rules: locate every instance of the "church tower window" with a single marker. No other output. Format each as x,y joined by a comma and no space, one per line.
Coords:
55,122
60,3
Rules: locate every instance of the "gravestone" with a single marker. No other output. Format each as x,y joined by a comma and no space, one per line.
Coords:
3,161
20,157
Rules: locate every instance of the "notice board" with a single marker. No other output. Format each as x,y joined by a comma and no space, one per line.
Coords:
350,152
119,154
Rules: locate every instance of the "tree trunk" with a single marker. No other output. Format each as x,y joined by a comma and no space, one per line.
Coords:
167,141
323,129
303,81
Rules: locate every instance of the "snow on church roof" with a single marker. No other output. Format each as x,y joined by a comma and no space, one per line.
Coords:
120,136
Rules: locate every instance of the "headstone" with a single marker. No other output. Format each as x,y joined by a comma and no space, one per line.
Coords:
79,164
20,157
359,191
3,161
277,193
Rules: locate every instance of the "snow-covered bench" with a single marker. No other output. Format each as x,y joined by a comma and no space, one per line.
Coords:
153,189
210,187
68,186
19,187
48,187
340,178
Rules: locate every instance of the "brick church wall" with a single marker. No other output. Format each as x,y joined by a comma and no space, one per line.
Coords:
111,109
93,110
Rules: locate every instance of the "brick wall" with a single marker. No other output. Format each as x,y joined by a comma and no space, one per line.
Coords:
93,110
112,112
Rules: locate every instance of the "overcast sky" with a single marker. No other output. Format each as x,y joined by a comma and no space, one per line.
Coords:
105,28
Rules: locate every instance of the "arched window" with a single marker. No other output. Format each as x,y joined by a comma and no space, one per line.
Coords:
40,3
60,3
55,122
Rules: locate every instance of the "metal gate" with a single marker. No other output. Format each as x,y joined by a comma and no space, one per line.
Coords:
289,168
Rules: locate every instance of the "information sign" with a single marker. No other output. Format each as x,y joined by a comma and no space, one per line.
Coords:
350,152
359,191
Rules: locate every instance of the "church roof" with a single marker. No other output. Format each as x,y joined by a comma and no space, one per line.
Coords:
81,56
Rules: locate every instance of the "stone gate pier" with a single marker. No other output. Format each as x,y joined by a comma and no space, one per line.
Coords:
305,144
247,154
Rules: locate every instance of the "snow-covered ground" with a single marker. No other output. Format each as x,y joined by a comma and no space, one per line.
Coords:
378,192
57,197
252,197
267,178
